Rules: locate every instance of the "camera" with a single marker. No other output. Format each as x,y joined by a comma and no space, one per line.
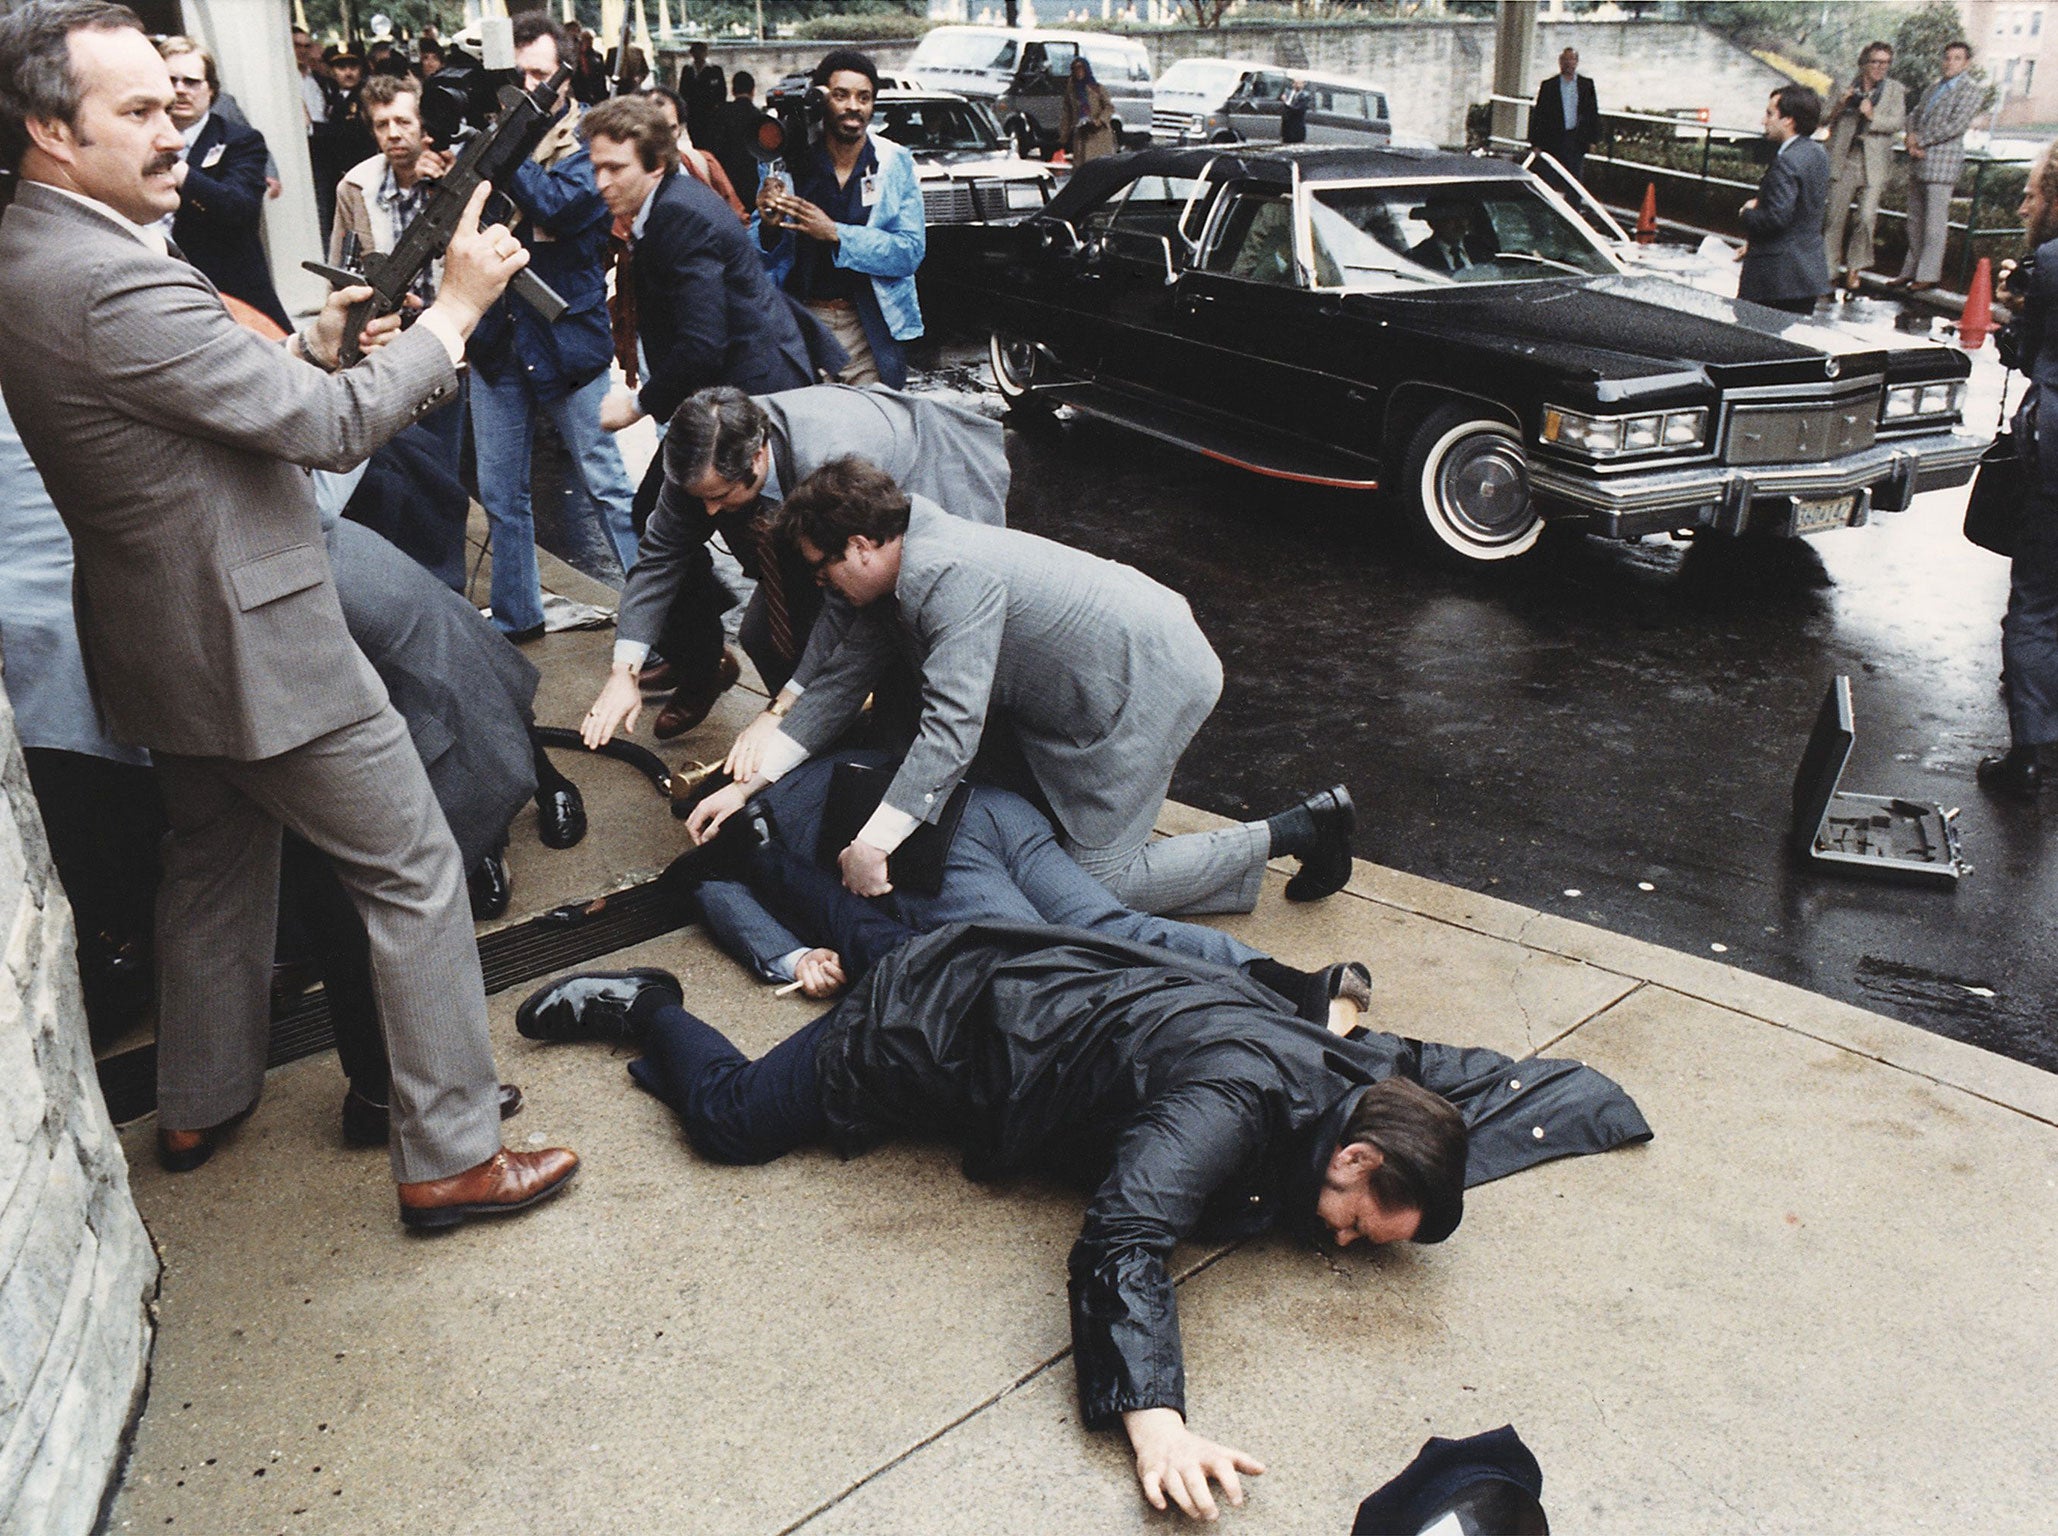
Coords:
460,98
793,120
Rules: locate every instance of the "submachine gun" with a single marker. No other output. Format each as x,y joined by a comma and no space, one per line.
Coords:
492,154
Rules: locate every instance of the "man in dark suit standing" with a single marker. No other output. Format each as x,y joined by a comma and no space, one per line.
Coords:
1784,265
703,88
174,443
706,314
221,184
735,136
1566,120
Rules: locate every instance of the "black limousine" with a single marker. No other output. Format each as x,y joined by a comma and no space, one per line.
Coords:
1449,328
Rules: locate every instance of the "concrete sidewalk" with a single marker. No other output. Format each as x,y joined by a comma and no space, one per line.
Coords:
1820,1300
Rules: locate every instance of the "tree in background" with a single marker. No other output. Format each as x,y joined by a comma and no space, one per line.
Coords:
1824,36
1919,49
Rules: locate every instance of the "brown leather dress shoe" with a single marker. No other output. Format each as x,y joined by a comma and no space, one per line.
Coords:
505,1183
689,705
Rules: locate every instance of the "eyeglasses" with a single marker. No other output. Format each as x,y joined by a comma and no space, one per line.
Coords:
820,568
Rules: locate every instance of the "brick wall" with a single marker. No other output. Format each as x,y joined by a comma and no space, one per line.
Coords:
77,1270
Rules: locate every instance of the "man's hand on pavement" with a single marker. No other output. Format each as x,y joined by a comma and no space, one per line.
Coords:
820,973
864,869
748,753
708,816
618,410
617,709
476,266
1173,1463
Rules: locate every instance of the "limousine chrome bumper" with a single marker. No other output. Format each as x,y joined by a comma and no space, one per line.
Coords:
1781,499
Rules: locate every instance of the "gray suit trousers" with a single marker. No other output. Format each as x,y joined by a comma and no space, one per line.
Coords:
1194,873
1929,217
360,795
1847,242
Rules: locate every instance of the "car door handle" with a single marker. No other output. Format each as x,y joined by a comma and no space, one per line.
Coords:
1196,300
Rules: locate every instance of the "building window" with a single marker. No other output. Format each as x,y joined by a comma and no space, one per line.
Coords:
2036,23
2029,73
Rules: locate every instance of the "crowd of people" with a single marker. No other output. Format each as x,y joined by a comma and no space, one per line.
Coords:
243,565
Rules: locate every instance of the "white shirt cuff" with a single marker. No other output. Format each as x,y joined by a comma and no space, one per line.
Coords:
441,328
888,828
631,653
782,755
787,966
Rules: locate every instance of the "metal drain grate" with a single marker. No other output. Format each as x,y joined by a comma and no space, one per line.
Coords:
543,946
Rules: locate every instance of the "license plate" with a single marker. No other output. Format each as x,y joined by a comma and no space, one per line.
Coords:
1812,514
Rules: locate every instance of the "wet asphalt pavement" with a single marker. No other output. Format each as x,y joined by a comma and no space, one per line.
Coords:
1607,732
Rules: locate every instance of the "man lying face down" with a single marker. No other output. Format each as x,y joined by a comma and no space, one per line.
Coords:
1185,1092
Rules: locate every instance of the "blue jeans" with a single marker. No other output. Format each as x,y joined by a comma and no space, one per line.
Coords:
503,422
734,1110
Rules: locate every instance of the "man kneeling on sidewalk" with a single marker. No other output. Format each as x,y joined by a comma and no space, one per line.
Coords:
1185,1091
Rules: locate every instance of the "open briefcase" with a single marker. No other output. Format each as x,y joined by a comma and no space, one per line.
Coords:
1839,832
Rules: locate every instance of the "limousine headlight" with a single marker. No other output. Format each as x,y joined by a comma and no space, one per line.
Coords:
1923,402
1608,437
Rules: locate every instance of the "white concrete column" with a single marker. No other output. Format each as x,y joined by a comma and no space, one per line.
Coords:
252,41
1514,63
76,1267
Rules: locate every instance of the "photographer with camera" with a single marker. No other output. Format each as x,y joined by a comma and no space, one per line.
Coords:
522,365
2029,629
1862,128
847,237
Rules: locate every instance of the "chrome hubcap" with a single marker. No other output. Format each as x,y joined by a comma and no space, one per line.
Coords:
1482,489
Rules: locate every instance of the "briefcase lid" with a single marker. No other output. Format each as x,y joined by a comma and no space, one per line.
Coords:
1822,764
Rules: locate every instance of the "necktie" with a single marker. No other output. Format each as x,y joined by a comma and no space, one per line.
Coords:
771,580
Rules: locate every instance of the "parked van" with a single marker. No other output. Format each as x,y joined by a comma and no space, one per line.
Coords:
1191,91
1340,110
1022,72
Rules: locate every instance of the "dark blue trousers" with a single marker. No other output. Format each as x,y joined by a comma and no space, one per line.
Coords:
2029,631
734,1110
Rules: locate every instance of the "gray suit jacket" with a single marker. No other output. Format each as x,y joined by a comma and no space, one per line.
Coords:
1939,125
465,691
955,457
172,441
1786,260
1876,142
1102,672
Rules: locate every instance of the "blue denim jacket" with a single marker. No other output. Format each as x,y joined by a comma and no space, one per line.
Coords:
565,228
888,248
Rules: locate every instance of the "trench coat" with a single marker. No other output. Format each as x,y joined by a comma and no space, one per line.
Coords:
1181,1091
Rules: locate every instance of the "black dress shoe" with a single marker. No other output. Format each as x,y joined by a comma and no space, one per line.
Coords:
594,1006
492,887
560,816
183,1151
2014,773
366,1122
526,636
1326,864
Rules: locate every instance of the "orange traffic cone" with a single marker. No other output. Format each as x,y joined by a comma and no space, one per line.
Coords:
1647,216
1978,318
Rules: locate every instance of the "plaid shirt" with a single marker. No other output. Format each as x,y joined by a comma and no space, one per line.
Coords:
401,207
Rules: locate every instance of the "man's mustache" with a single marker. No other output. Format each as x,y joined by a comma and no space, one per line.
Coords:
161,163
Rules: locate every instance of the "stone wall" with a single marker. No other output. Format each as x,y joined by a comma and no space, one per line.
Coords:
77,1270
1432,70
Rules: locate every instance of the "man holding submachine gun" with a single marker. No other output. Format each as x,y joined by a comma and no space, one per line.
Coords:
490,156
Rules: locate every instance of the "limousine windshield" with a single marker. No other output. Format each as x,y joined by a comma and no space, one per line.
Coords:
1387,235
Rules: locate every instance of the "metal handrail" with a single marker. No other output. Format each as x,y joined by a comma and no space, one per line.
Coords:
1710,131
